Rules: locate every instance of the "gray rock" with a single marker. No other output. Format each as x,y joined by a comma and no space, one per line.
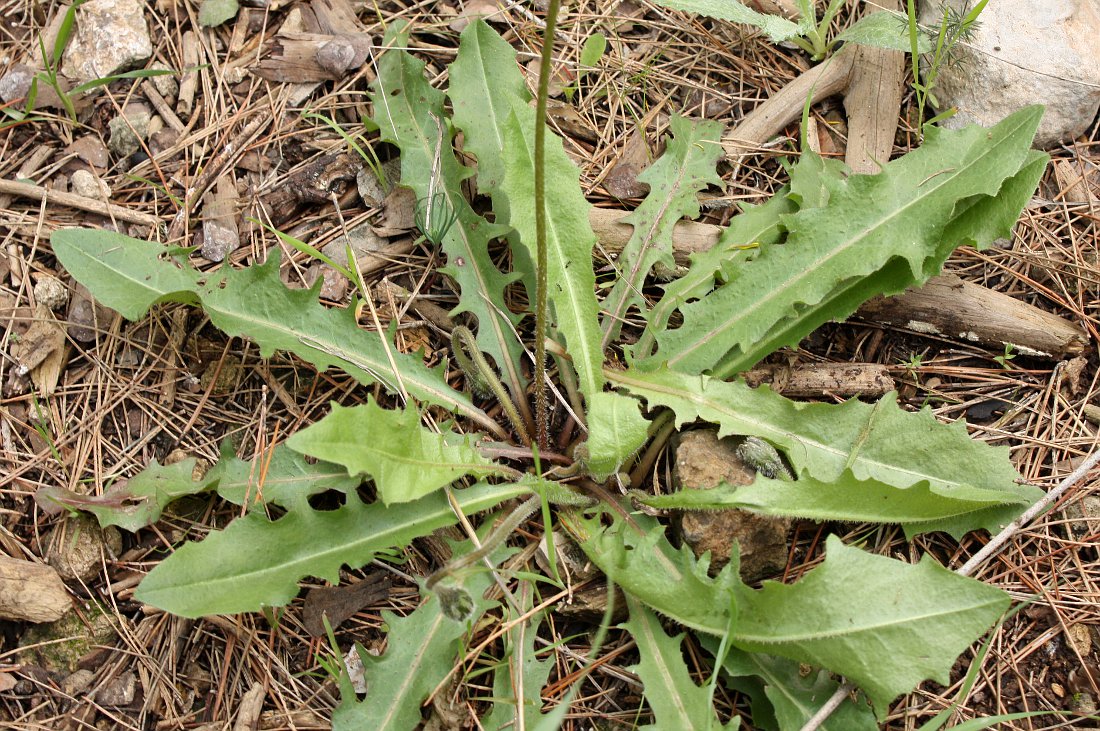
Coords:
165,84
127,129
1025,52
77,682
119,692
91,150
111,36
78,547
49,291
703,462
16,83
88,185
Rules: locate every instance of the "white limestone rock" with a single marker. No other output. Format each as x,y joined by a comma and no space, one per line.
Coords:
1025,52
111,36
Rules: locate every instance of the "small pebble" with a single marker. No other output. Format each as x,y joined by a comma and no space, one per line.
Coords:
88,185
49,291
119,692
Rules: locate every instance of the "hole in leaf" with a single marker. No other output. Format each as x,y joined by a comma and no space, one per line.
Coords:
327,501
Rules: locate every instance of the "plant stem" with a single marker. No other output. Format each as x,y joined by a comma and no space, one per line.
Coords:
507,526
481,377
542,406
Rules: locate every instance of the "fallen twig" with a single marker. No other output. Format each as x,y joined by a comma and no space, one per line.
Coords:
39,193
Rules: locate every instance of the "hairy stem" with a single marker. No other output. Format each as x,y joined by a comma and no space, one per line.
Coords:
499,534
542,405
483,379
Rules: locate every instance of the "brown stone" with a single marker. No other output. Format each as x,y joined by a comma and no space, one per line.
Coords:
702,462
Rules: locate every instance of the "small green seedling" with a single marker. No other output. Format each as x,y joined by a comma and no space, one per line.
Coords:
1004,358
591,52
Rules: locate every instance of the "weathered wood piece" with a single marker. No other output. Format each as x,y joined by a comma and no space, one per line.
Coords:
815,379
875,88
688,238
951,307
301,57
785,106
31,592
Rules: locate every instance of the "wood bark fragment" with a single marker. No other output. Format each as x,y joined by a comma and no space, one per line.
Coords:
949,306
302,57
72,200
785,106
872,102
31,592
248,712
688,237
815,379
189,84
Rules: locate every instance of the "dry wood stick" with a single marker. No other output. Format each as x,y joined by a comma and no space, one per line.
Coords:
72,200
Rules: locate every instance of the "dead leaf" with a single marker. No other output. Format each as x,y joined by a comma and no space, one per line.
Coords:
45,336
398,212
563,78
622,180
219,221
87,318
570,122
339,603
474,10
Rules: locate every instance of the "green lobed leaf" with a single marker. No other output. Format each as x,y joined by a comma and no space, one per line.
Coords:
871,221
919,509
875,442
754,229
485,86
777,29
256,562
884,29
569,242
405,460
978,222
281,477
284,479
421,650
130,276
668,579
786,692
905,623
814,179
676,701
687,167
215,12
490,107
408,111
132,503
617,430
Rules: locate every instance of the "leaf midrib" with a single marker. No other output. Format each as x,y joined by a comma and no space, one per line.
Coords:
278,571
810,272
765,427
